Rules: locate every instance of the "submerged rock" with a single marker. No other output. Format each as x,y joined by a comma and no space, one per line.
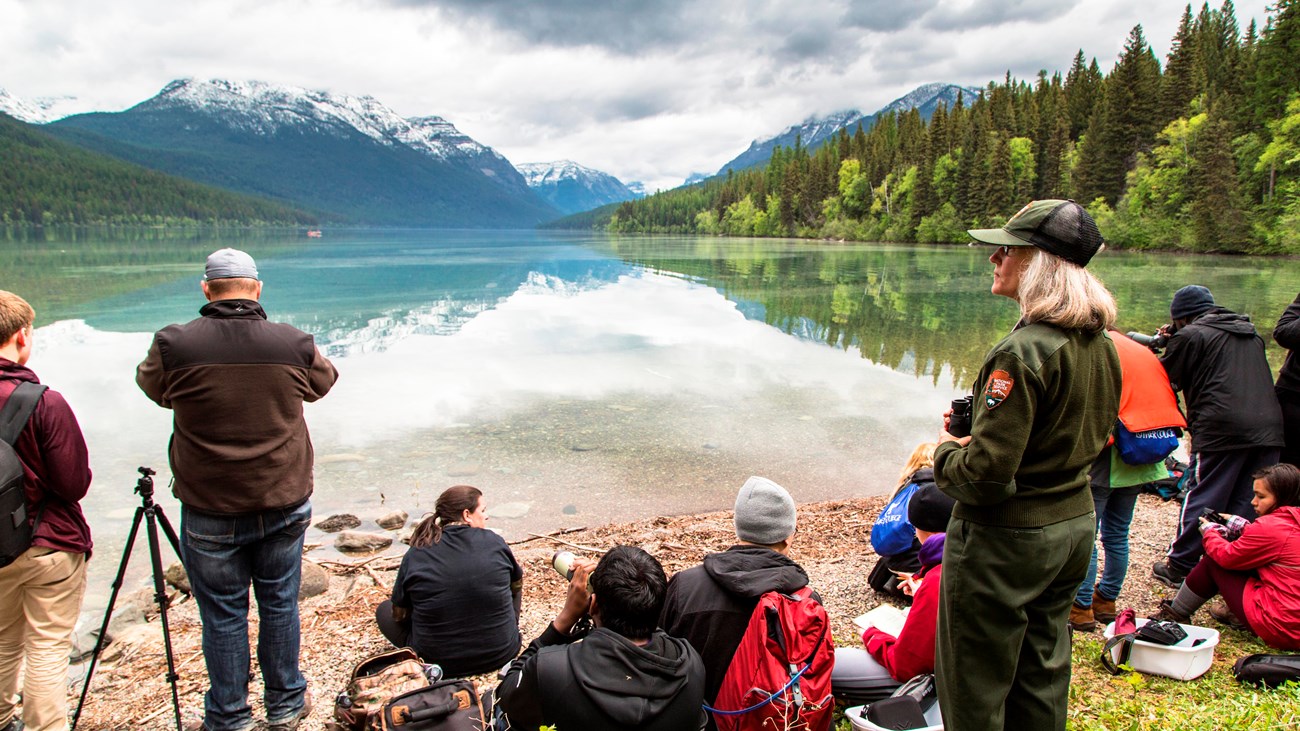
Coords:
336,523
362,542
392,521
510,511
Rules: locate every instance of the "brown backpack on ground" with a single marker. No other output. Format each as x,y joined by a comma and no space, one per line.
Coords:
448,705
377,680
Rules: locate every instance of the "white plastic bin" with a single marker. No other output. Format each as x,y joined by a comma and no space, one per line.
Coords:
1184,661
857,716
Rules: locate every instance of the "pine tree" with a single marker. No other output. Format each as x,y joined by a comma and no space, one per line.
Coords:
1217,207
998,190
1178,86
1277,62
1082,92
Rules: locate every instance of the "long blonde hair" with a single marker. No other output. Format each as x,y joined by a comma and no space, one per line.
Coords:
922,456
1064,294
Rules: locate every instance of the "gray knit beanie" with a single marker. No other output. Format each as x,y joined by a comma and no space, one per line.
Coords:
764,512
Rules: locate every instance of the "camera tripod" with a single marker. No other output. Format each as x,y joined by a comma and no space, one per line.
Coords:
153,515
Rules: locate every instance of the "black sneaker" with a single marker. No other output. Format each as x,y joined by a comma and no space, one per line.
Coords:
15,724
1170,577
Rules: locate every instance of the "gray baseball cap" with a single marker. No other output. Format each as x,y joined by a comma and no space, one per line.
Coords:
229,264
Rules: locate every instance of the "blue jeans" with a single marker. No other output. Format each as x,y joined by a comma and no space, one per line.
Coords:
1114,508
223,554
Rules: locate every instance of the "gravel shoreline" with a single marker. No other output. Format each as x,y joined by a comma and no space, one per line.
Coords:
338,628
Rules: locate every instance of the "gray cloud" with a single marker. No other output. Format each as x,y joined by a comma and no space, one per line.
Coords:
985,13
887,15
623,26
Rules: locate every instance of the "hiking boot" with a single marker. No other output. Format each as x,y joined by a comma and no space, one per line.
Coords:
1167,613
1103,609
1168,575
291,723
1081,619
1223,615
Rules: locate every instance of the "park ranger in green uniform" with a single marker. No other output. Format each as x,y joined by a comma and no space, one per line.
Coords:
1021,534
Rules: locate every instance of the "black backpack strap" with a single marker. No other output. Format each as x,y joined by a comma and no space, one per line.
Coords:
18,409
14,416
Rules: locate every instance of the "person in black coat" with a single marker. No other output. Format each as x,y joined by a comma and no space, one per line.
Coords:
1216,359
1287,334
457,597
619,674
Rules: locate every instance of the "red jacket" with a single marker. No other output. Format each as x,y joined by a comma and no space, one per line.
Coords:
912,652
55,464
1269,547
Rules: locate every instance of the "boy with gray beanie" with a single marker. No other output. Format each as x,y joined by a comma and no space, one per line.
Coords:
709,605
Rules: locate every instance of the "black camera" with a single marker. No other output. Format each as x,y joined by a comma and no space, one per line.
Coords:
1213,516
1155,342
959,420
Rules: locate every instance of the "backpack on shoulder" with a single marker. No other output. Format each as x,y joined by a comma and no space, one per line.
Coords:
376,681
780,675
17,532
892,533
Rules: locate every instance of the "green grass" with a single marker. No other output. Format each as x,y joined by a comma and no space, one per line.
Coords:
1137,702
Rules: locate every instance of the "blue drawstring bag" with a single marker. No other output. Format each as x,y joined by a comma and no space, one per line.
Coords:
1145,447
892,533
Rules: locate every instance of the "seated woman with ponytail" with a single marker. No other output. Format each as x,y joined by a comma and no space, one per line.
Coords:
456,600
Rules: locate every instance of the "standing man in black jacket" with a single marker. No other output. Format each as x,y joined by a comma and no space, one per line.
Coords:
1216,359
710,605
623,675
1287,334
241,462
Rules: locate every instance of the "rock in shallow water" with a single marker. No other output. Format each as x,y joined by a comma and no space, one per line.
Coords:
510,511
336,523
361,542
393,520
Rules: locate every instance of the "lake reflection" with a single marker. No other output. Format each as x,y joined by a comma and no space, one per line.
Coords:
576,379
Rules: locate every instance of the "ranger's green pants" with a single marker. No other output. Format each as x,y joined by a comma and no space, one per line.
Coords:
1003,647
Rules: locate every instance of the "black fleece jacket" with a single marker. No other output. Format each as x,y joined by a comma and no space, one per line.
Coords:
1218,363
604,682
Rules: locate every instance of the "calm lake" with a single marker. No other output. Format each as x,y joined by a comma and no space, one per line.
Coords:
576,378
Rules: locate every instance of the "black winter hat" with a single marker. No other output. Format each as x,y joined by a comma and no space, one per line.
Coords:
1190,301
929,509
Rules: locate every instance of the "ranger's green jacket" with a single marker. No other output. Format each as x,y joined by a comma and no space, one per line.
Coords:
1045,402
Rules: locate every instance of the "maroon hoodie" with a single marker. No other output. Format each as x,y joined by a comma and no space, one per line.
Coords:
57,467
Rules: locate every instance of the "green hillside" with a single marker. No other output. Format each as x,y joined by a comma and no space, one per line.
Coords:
1200,155
44,180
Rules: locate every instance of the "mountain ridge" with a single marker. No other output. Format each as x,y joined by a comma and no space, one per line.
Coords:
573,188
815,131
349,155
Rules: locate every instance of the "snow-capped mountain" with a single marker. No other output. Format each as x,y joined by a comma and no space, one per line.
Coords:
349,155
573,188
268,109
36,111
815,131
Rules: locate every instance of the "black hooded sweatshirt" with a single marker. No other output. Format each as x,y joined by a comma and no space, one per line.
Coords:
604,682
710,605
1218,363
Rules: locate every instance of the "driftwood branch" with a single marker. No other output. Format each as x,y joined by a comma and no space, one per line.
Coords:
563,542
552,534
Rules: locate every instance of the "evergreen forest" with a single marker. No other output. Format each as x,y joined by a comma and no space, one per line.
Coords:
46,181
1200,153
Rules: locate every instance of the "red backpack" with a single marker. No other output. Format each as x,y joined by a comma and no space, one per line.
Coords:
781,670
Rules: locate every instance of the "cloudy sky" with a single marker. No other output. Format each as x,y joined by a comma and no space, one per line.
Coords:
648,90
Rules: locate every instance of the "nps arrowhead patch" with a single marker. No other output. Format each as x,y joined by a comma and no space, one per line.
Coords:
997,389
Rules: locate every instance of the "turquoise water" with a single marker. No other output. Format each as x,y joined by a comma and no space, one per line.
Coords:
577,379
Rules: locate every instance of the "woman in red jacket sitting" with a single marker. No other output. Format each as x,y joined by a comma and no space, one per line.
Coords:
866,675
1258,573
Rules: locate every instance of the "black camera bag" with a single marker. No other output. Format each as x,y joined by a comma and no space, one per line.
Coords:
448,705
1267,670
16,533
